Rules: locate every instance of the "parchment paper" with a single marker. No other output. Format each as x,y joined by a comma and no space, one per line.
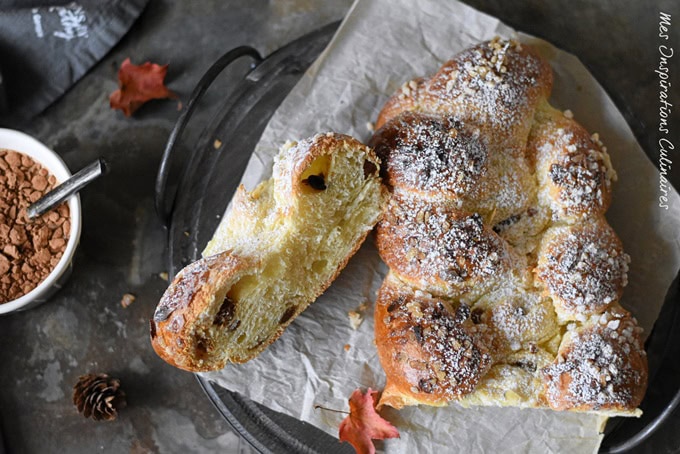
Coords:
380,45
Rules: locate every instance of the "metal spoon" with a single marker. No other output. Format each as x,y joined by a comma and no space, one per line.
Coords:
74,184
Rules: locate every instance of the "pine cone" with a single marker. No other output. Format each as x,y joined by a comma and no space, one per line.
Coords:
98,396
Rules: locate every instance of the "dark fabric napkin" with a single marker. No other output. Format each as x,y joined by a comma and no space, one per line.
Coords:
47,45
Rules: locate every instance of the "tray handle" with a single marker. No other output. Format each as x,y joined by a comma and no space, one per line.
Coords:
163,208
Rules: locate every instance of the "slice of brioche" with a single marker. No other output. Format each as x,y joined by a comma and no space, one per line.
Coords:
279,247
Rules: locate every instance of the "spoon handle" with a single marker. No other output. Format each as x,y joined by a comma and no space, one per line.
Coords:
67,188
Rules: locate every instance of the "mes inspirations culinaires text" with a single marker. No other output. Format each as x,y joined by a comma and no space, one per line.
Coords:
665,144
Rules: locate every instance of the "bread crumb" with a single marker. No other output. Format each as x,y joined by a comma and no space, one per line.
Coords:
346,347
127,299
217,143
370,126
568,113
355,319
288,145
163,276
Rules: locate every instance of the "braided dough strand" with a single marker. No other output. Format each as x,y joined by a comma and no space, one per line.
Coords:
497,245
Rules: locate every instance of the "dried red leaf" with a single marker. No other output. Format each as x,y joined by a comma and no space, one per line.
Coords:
139,84
364,424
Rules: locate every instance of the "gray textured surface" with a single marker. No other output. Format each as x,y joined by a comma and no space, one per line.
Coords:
84,329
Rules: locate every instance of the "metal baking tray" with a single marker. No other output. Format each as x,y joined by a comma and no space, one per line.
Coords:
209,174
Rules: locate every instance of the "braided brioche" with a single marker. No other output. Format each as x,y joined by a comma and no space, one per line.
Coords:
279,247
504,274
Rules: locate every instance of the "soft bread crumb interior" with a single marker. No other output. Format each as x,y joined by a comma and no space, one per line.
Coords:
300,250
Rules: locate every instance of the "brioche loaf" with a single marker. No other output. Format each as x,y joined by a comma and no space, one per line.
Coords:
504,275
277,250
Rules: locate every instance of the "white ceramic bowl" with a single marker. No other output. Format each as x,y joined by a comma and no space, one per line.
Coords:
23,143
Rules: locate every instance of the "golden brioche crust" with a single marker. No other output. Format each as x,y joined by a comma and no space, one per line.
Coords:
405,100
573,168
440,249
434,352
583,268
498,204
492,88
495,85
194,291
432,156
600,366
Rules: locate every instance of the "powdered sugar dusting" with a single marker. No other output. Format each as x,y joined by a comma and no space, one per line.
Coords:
495,84
582,181
598,367
450,359
520,319
578,177
584,268
434,155
438,245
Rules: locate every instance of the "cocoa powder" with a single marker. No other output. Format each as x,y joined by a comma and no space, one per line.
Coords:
29,249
